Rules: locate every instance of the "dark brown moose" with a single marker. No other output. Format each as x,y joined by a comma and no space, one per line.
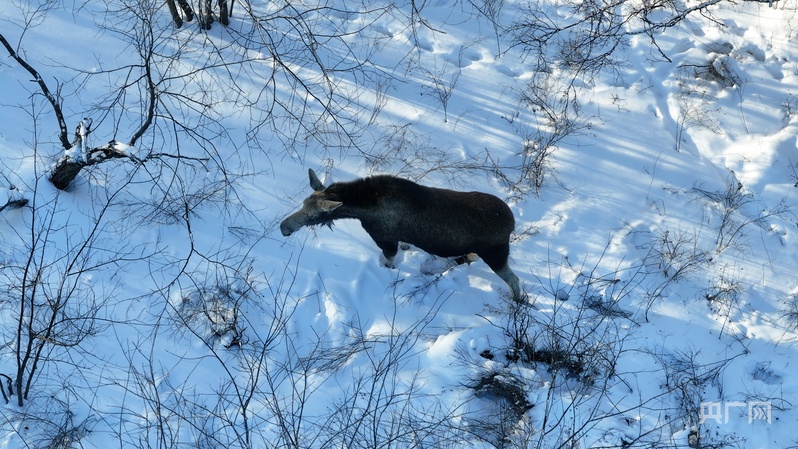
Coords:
442,222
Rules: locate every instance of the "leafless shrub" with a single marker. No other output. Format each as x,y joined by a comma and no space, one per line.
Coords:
691,383
155,410
677,254
556,116
214,311
50,423
440,84
790,310
719,69
789,106
68,436
380,100
670,257
699,85
574,351
696,102
48,297
735,209
587,40
549,113
165,410
378,408
524,232
492,10
723,296
403,152
571,340
504,387
568,51
502,420
794,174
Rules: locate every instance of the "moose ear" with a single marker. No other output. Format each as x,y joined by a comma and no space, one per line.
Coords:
314,181
329,205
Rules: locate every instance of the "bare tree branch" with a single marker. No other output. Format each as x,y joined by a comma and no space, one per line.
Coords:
53,99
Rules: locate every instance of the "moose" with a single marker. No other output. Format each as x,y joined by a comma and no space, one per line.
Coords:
442,222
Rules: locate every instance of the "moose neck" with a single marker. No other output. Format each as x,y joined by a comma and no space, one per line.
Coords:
359,197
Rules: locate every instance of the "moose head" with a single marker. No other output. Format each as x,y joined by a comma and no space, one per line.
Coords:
316,209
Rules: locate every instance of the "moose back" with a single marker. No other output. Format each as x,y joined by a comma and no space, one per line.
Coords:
442,222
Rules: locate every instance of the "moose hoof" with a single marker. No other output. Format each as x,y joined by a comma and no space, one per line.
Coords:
466,258
386,262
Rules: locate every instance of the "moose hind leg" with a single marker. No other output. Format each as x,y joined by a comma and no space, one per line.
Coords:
511,280
497,261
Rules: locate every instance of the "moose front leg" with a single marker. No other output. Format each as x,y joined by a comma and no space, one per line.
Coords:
389,250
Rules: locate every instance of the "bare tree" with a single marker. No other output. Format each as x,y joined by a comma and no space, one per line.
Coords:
205,12
77,152
185,8
174,90
45,289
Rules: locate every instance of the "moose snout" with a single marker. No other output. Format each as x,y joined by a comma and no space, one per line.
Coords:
285,229
291,224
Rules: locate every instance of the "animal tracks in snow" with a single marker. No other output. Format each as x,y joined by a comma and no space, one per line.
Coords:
763,373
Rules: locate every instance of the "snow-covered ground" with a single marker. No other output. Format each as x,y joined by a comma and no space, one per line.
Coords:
659,254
